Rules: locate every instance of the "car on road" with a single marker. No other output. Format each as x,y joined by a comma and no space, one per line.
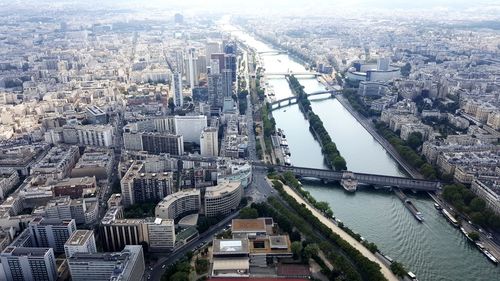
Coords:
163,266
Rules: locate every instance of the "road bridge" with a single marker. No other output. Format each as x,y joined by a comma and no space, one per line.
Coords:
293,99
275,52
362,178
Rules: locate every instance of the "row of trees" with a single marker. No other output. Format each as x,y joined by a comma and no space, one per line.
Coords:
290,180
242,101
140,210
465,201
287,220
330,151
304,218
358,104
406,151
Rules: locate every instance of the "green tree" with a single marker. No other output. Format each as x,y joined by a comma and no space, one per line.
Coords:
339,163
296,249
398,269
249,213
311,250
474,236
477,205
171,104
415,140
179,276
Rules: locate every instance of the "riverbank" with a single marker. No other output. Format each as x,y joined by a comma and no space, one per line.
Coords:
387,146
388,274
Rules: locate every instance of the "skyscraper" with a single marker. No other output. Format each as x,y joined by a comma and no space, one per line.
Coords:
192,62
176,88
215,95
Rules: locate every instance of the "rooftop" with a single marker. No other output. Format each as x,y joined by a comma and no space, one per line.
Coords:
79,237
248,225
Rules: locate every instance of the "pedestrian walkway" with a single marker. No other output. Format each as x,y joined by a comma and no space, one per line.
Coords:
388,274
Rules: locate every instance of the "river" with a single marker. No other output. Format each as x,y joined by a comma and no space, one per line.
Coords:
433,250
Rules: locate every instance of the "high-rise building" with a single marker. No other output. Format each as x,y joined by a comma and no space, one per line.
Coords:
127,265
137,186
230,63
219,57
176,89
227,83
383,63
117,233
32,264
179,203
160,234
81,241
209,142
51,233
215,96
192,75
178,18
223,198
190,127
157,143
211,47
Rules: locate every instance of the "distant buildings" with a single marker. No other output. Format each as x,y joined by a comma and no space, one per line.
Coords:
176,89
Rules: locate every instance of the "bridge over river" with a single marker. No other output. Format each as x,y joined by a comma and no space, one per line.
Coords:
293,99
367,179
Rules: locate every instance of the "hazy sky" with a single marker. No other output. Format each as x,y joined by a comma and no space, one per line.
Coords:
292,7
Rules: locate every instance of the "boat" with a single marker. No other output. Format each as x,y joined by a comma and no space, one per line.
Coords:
409,205
284,142
490,256
437,206
287,160
450,218
412,276
287,150
419,216
466,234
348,181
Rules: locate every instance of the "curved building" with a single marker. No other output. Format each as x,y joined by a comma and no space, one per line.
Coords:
178,203
223,198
